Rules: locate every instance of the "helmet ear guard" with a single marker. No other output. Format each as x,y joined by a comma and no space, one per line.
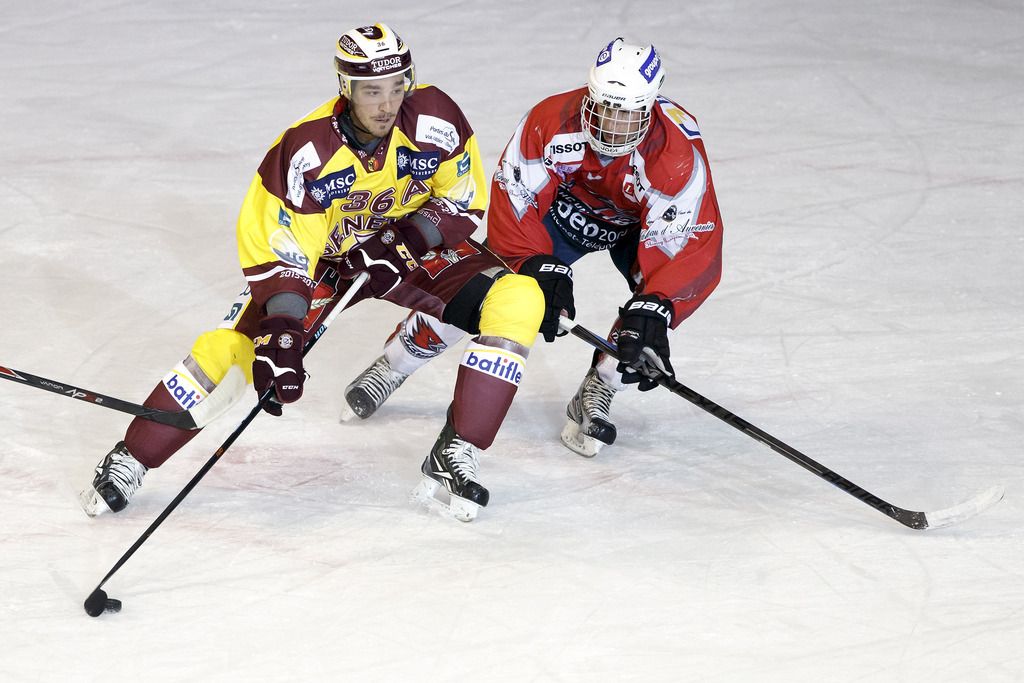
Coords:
371,52
623,85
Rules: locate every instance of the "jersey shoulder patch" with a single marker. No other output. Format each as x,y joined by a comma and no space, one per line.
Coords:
682,119
304,147
431,117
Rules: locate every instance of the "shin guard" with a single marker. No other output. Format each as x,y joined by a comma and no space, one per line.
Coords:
489,376
492,366
181,389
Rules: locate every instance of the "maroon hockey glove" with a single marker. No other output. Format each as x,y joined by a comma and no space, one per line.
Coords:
643,341
279,360
555,280
388,255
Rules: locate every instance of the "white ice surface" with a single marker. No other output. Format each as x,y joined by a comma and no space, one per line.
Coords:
868,161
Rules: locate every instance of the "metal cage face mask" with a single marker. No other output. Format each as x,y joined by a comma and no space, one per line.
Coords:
613,131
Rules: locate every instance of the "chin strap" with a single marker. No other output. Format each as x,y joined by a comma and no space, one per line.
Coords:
350,127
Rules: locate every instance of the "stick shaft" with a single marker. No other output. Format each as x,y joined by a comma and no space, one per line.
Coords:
265,398
912,519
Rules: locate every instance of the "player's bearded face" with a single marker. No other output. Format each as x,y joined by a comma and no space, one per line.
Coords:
375,104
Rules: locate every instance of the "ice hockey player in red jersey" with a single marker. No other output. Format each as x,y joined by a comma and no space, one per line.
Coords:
613,166
384,179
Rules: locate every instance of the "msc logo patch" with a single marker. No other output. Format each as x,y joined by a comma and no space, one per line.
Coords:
419,165
334,186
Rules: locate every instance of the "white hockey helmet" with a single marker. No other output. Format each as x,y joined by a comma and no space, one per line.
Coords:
371,52
623,84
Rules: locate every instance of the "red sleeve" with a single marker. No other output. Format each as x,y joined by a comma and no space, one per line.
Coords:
523,190
680,250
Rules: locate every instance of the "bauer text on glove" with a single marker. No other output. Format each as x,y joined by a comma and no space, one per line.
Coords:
555,280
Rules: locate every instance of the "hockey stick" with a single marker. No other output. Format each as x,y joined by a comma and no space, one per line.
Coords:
913,519
97,601
206,411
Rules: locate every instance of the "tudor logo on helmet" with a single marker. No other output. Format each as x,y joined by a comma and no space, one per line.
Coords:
372,52
622,86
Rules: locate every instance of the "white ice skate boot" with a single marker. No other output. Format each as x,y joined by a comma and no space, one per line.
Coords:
453,464
370,389
589,427
118,476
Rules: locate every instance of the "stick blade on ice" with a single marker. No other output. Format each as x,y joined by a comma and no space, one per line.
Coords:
965,510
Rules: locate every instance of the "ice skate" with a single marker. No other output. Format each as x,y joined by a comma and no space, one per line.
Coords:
589,427
452,465
369,391
118,476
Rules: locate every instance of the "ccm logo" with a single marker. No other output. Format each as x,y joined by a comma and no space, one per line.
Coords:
651,306
558,268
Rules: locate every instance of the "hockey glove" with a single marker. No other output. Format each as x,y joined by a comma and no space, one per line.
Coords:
278,361
555,280
643,341
388,255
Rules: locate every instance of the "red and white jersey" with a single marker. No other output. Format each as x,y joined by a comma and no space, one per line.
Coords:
552,194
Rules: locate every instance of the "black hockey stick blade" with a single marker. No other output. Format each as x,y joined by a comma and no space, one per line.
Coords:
97,603
181,420
216,403
909,518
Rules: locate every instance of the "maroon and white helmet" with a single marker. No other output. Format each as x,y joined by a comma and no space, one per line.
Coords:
370,52
623,85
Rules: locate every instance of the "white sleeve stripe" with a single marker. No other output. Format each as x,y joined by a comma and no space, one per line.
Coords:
693,194
272,272
533,175
671,235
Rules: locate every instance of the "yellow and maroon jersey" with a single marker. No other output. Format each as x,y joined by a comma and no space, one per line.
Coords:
313,190
552,194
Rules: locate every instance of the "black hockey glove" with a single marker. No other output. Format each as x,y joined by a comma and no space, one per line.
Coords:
388,255
643,340
555,280
278,347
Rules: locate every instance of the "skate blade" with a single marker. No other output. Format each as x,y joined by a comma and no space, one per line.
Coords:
92,502
578,442
347,414
435,497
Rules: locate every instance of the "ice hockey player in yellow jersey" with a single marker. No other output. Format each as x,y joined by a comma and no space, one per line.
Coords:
385,179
